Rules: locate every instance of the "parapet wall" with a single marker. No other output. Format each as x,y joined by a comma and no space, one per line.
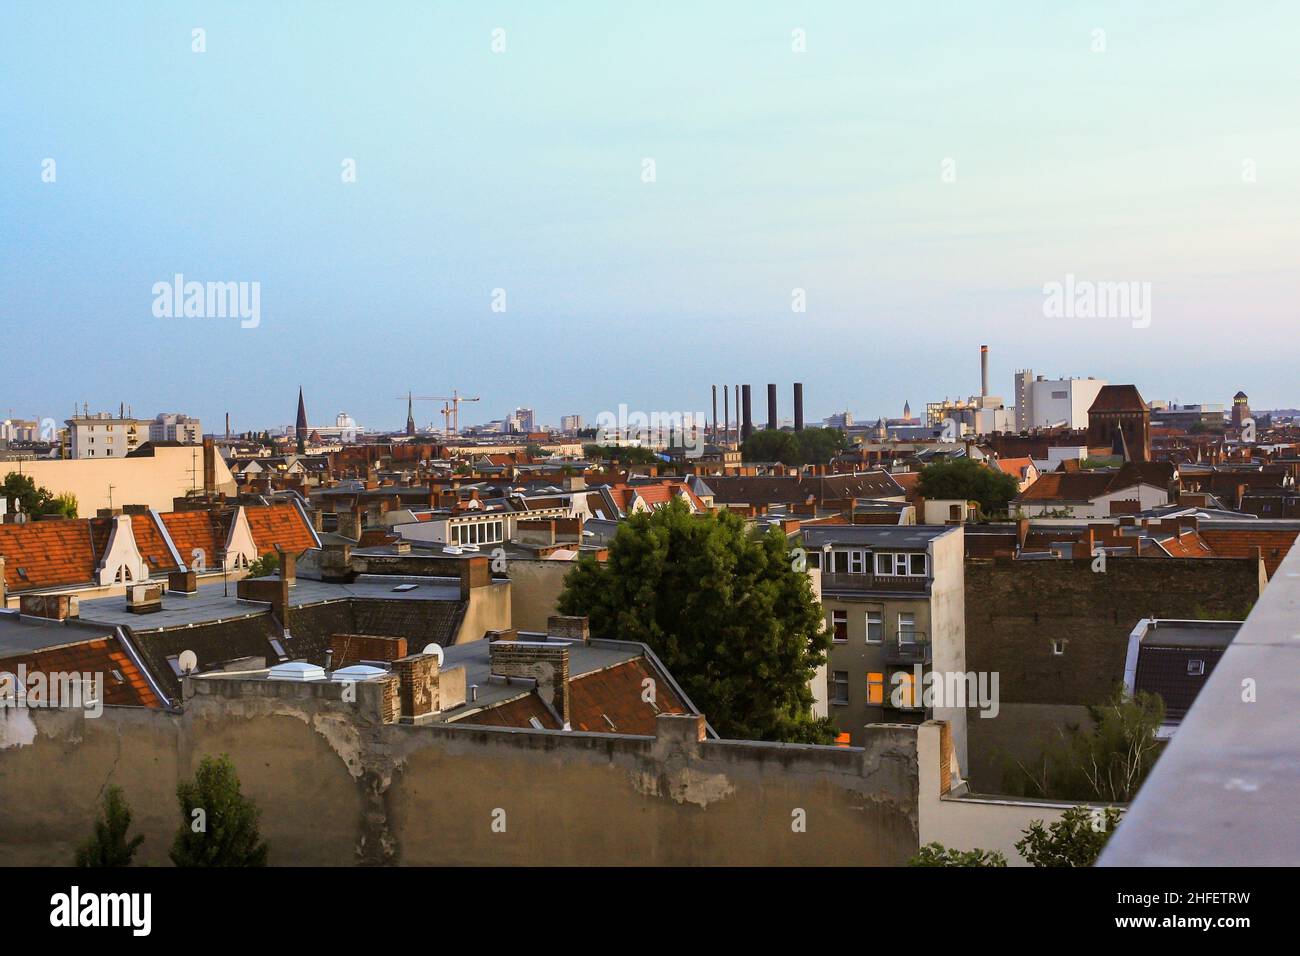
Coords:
338,786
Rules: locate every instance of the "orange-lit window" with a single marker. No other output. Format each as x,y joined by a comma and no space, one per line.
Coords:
875,688
842,740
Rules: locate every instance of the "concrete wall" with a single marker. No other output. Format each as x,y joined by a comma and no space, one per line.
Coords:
964,822
535,586
488,610
338,786
155,482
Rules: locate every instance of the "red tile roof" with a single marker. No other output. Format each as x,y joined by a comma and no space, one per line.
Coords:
1241,543
100,656
609,700
48,553
153,548
191,530
514,713
279,524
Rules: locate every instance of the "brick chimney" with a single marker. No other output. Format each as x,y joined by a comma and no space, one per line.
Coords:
350,523
52,607
288,565
564,627
209,467
548,664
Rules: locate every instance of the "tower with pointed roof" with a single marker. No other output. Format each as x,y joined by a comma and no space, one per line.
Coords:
410,415
300,429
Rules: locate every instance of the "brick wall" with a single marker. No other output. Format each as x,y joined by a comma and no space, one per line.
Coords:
352,648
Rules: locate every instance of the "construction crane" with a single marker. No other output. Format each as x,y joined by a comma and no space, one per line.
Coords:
450,408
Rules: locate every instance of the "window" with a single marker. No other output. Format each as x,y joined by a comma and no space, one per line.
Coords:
875,688
840,687
1058,647
814,559
906,626
840,626
884,563
1196,668
857,562
900,564
841,562
875,627
916,564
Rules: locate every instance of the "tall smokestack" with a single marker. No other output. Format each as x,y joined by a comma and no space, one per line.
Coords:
715,414
747,428
736,390
798,406
984,371
771,407
726,414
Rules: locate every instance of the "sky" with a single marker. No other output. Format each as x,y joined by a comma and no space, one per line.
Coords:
915,174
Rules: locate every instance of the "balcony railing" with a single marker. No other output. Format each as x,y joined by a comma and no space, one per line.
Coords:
849,581
907,647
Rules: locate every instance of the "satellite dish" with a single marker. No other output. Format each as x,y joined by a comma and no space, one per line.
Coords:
188,662
434,649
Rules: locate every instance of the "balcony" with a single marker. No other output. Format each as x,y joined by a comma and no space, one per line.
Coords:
907,647
849,581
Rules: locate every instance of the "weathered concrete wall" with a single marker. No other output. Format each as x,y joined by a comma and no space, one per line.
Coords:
336,786
535,586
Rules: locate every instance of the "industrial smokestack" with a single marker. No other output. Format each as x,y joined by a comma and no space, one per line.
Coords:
747,428
736,389
984,371
715,414
798,406
726,414
771,407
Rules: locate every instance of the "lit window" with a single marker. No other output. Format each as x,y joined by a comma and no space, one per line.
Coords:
875,688
1058,647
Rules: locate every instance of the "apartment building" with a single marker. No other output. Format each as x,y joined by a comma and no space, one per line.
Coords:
103,436
894,602
170,426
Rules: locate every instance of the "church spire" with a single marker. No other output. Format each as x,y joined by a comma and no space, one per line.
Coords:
300,430
410,415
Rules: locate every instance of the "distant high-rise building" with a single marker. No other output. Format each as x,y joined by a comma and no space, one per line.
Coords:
176,427
1043,403
842,420
571,423
104,436
525,420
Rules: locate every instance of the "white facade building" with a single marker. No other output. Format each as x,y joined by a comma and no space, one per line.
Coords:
1042,402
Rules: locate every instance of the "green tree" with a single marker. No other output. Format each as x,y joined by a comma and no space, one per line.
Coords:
267,564
109,846
1076,839
968,480
1106,761
811,446
936,854
219,825
723,608
22,494
772,446
627,455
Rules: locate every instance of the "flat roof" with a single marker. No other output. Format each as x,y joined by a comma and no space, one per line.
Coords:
20,636
915,536
209,604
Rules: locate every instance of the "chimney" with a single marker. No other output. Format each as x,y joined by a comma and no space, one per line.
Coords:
726,413
52,607
288,565
984,371
747,426
417,677
209,467
548,664
144,598
715,413
798,406
350,523
771,407
1088,543
568,628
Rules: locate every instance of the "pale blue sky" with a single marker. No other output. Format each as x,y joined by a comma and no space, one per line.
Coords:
522,170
